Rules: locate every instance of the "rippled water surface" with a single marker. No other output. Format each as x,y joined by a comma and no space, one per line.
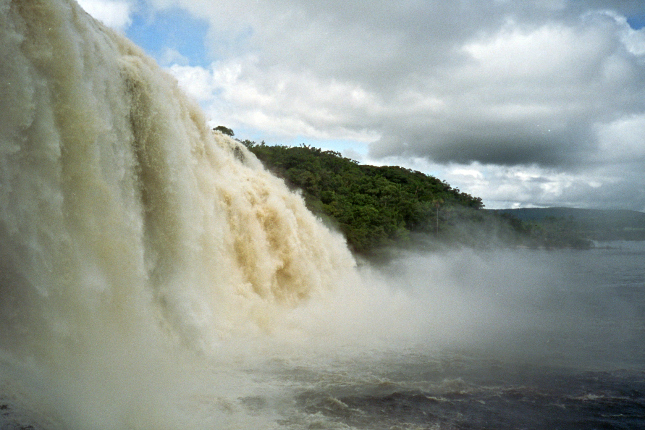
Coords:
573,359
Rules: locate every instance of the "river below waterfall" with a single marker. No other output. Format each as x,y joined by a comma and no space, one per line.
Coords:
511,339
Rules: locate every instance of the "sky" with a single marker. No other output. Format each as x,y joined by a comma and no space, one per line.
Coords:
524,103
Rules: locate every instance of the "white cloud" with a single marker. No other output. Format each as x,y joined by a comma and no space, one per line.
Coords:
279,102
196,81
545,98
113,13
622,140
171,56
534,55
634,40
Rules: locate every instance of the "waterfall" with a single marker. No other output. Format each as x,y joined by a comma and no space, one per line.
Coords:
128,229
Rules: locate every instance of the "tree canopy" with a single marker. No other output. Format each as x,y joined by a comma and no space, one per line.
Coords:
373,206
224,130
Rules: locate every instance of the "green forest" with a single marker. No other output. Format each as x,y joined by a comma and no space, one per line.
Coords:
384,207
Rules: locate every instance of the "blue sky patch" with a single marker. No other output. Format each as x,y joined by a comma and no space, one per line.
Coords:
636,22
172,29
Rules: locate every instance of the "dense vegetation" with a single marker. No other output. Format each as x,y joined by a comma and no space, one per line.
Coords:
373,206
379,206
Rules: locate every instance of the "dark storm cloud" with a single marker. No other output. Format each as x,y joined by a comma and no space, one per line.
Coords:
528,95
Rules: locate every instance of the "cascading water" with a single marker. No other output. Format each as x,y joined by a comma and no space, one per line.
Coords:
128,228
154,276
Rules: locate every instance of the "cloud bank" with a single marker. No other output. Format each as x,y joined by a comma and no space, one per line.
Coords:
113,13
523,103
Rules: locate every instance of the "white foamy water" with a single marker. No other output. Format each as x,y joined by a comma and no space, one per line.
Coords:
134,240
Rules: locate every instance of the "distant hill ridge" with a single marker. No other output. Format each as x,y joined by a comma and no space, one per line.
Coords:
622,216
598,224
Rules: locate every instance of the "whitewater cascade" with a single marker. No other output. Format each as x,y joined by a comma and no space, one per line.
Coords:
124,220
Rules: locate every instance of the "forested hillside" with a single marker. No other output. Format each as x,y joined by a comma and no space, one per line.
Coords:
373,206
379,206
